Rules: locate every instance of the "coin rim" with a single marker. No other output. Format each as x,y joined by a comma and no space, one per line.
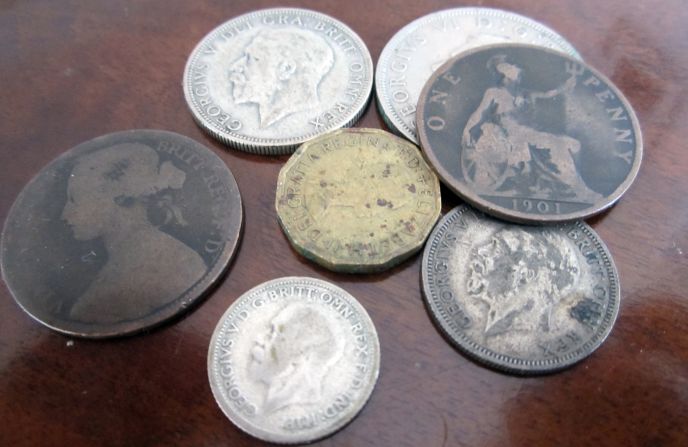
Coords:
182,304
244,300
393,258
274,146
504,362
383,99
466,193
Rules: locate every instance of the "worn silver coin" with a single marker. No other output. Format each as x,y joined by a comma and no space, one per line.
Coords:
293,360
419,48
522,299
267,81
121,233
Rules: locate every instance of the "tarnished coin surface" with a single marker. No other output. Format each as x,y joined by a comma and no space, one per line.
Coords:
267,81
529,134
357,200
524,299
293,360
121,233
422,46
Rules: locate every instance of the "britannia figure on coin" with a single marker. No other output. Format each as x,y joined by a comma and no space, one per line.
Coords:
280,71
503,156
522,279
109,195
293,356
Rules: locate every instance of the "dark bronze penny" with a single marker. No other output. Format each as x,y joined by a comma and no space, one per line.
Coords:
121,233
529,134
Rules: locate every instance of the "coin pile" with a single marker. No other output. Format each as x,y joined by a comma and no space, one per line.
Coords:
127,230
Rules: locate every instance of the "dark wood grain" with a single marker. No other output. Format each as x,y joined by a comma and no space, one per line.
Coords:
70,71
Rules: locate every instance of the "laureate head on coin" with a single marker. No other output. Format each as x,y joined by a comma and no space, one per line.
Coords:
293,360
529,134
267,81
521,299
121,233
421,47
357,200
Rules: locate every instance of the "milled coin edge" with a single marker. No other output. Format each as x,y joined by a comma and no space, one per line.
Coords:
502,362
244,299
271,146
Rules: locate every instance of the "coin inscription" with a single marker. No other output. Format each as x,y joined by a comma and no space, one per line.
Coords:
293,360
269,80
121,233
523,299
357,200
419,48
528,134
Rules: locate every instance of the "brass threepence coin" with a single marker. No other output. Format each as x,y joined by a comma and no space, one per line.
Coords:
267,81
529,134
419,48
357,200
121,233
524,299
293,360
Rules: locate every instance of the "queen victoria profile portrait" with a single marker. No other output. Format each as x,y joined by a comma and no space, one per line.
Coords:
109,195
280,71
521,278
502,155
292,357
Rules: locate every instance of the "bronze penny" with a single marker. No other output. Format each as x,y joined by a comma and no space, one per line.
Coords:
529,134
121,233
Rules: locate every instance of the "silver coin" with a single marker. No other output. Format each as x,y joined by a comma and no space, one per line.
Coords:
419,48
293,360
522,299
267,81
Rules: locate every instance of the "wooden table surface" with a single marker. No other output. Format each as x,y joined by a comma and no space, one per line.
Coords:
70,71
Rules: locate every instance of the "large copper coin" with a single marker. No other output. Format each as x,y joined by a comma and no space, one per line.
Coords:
357,200
121,233
529,134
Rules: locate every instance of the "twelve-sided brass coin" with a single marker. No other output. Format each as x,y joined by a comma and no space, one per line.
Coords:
529,134
357,200
121,233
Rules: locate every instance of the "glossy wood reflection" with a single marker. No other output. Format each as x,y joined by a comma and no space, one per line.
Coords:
72,70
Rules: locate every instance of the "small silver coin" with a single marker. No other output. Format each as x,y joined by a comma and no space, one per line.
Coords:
293,360
522,299
267,81
121,233
419,48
